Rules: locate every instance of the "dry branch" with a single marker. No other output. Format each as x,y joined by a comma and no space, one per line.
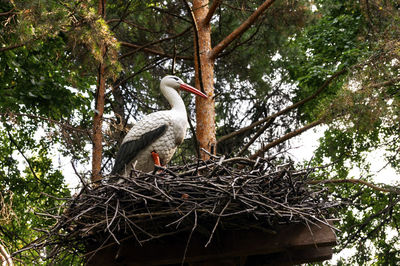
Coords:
3,49
7,12
385,83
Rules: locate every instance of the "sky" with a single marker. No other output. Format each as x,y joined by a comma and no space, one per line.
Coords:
307,143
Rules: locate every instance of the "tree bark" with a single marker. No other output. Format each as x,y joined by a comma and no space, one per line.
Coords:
211,11
97,136
204,57
205,108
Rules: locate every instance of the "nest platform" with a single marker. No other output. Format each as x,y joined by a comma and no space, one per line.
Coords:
224,211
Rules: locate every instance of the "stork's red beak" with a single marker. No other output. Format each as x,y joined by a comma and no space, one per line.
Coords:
190,89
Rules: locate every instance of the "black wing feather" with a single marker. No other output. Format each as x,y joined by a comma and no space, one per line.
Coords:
131,149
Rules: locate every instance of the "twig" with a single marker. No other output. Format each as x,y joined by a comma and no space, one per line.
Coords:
85,186
286,137
190,237
216,223
153,51
26,159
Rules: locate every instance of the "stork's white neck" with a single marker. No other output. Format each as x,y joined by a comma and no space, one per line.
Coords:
174,99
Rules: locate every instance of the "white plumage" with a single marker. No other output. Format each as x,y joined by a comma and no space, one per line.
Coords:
159,132
165,145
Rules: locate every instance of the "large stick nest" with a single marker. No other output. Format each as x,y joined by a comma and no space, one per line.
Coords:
235,193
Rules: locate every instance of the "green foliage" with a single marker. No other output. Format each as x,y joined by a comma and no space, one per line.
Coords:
36,79
362,111
50,51
27,187
44,95
321,50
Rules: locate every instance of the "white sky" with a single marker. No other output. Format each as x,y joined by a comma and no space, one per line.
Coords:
306,144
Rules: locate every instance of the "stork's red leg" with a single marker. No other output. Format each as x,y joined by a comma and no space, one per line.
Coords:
156,158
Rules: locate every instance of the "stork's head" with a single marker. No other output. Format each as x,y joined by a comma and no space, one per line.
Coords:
177,84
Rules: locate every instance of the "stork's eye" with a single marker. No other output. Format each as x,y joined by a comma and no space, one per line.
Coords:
175,78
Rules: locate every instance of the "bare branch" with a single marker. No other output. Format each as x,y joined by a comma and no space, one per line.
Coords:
384,212
388,189
79,176
240,30
2,14
156,42
123,16
3,49
5,258
169,13
285,137
148,66
132,24
241,9
152,51
211,11
238,44
286,110
61,124
26,159
385,83
255,137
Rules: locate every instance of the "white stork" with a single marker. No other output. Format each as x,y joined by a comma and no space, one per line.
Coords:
154,139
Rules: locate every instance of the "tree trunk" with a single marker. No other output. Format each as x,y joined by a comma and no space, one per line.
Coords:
98,115
205,108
